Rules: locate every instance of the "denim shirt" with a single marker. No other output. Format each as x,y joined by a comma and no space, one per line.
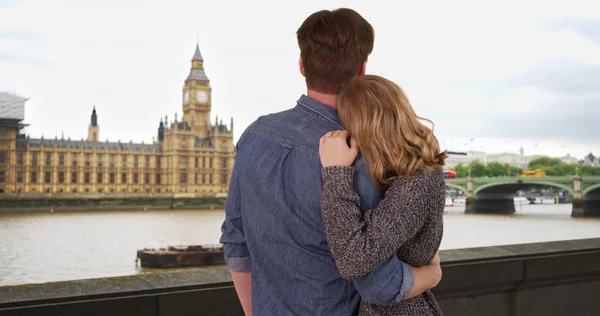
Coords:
274,229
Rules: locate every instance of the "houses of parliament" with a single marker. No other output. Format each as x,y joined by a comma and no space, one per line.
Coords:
190,155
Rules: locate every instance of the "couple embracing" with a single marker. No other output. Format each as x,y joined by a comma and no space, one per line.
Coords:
335,206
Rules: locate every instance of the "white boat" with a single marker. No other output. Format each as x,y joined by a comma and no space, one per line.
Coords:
544,200
459,200
449,201
521,200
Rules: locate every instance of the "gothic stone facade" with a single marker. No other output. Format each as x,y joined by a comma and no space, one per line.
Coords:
190,155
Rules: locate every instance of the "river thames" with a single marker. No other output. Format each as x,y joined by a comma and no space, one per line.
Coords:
37,248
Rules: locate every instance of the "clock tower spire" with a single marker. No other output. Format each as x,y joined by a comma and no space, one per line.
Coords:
196,97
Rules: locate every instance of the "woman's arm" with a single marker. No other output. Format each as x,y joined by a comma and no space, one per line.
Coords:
361,241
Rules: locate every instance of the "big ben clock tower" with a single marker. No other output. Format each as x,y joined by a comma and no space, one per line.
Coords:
196,97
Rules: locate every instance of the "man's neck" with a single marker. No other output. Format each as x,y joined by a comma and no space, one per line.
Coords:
325,98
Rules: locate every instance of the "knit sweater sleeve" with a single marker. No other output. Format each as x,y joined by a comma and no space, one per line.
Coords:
361,241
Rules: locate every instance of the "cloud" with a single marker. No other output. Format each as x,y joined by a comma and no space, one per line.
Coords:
554,99
8,3
575,119
568,103
587,28
20,35
15,58
560,77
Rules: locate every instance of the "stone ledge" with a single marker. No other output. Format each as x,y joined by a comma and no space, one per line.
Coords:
512,267
513,251
473,270
170,280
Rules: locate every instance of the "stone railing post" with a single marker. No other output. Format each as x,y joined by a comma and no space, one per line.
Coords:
577,197
469,187
469,203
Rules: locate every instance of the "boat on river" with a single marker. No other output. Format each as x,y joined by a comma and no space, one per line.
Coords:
544,200
521,200
181,256
459,200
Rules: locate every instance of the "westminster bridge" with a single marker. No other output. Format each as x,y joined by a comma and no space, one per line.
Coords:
495,195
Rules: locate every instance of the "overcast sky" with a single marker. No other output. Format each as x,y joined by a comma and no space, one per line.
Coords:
505,74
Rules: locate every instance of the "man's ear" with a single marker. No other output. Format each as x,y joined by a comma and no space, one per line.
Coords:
363,68
301,65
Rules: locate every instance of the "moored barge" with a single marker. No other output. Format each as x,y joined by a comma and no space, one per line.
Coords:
181,256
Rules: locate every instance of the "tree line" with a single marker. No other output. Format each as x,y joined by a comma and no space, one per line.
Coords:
551,166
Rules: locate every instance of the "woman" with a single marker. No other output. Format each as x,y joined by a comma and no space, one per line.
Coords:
403,156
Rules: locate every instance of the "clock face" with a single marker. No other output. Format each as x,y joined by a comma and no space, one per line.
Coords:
202,96
186,97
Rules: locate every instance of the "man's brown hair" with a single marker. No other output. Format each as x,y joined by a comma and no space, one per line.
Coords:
333,46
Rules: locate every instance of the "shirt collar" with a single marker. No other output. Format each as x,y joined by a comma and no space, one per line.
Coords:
315,107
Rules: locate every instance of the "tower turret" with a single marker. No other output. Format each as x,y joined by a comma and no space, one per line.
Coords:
161,131
197,60
94,117
94,129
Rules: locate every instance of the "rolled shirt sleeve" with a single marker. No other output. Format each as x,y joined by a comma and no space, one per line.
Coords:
237,256
388,284
237,264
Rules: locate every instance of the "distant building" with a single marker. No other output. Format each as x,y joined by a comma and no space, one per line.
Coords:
456,157
591,160
515,160
569,159
190,155
12,107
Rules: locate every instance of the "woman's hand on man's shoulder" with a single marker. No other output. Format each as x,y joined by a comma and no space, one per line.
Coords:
337,148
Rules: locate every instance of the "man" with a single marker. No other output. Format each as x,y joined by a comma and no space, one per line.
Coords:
273,233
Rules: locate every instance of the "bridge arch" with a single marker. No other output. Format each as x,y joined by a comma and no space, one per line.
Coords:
590,189
546,183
